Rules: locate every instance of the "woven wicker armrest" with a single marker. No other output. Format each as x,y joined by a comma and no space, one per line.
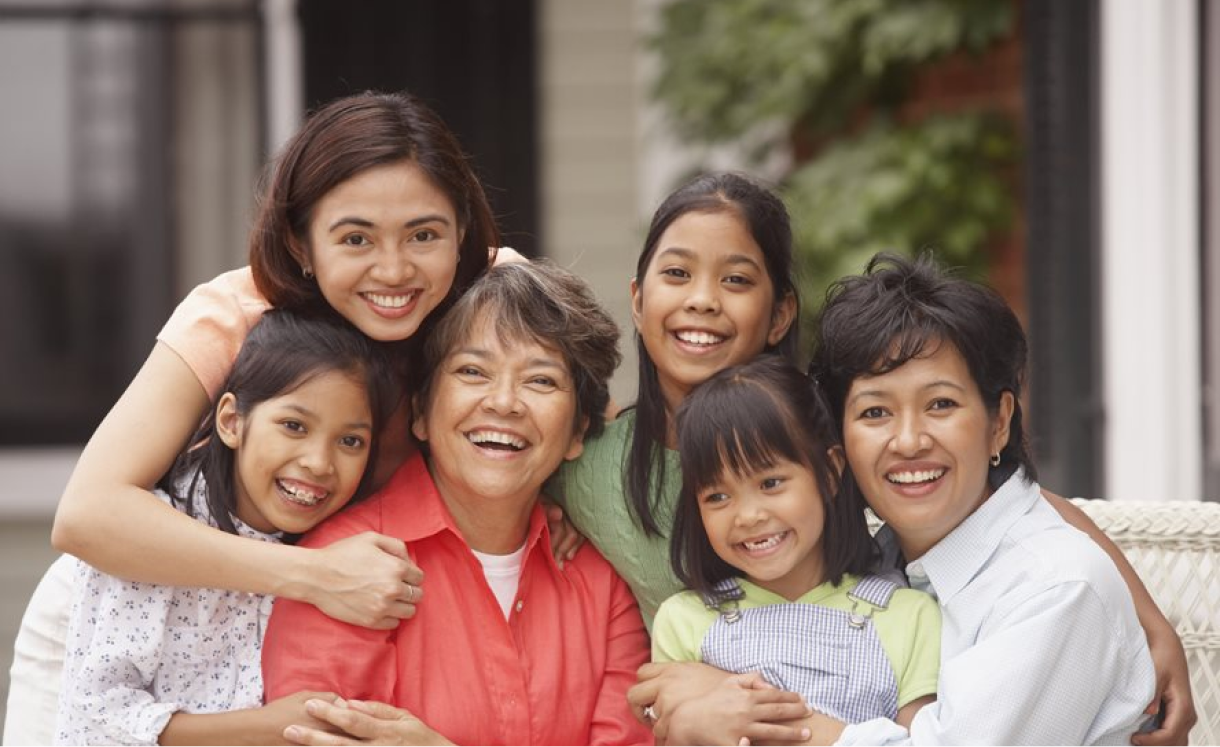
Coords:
1175,548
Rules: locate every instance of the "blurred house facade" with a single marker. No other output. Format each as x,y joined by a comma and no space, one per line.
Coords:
135,131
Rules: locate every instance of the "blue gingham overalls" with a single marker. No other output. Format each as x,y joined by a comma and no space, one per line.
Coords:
831,657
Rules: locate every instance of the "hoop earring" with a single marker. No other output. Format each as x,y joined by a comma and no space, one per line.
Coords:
306,272
995,460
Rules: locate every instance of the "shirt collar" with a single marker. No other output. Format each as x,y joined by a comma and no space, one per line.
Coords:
951,563
202,510
412,504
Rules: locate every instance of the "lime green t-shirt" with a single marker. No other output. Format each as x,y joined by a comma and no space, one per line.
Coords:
592,491
908,628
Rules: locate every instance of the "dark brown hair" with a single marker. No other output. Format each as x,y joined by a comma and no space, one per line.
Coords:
745,419
339,141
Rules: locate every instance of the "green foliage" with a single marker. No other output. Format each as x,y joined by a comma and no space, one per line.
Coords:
730,65
834,72
933,185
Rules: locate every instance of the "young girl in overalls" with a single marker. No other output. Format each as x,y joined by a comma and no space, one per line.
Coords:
777,561
289,442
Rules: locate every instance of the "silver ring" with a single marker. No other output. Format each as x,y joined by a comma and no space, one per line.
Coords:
650,713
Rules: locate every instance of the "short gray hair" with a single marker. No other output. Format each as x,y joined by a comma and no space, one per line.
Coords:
543,303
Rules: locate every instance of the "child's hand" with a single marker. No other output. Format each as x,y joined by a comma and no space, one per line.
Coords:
565,539
366,580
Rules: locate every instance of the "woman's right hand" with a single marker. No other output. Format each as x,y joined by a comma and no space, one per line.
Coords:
274,717
367,580
362,722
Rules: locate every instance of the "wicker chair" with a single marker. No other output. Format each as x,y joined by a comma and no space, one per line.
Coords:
1175,548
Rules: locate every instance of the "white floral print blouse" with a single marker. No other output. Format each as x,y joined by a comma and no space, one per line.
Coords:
137,653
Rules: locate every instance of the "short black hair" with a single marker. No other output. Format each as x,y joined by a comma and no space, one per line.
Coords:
744,419
903,308
542,302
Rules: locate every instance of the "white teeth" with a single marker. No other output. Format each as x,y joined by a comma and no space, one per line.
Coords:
698,338
497,437
911,478
764,544
390,302
301,495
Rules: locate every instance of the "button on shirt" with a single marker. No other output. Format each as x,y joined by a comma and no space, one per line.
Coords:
1040,643
137,653
555,672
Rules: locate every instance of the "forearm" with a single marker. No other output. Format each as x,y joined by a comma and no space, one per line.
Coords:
233,727
138,537
821,729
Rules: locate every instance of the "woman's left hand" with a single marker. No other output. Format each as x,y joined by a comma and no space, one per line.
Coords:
1172,687
364,722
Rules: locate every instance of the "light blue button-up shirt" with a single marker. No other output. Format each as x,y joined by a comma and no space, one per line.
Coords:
1040,641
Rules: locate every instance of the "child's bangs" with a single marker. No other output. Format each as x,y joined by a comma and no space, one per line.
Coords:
741,434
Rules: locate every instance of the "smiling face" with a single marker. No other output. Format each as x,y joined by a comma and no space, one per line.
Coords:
768,524
501,418
384,247
918,440
705,301
299,456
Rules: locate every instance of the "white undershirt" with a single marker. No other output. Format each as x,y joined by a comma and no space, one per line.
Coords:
503,574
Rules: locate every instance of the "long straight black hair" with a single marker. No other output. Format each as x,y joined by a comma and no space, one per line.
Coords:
283,351
744,420
766,218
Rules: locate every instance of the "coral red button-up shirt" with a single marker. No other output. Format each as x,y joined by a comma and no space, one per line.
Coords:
555,672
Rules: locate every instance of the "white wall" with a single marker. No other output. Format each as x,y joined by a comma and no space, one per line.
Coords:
1150,255
589,99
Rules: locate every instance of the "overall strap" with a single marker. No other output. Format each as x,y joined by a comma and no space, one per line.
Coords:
723,598
875,592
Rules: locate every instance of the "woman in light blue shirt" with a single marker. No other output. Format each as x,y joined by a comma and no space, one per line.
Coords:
1041,641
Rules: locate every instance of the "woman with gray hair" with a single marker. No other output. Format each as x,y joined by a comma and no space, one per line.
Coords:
510,648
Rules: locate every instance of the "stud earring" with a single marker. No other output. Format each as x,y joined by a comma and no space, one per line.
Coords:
995,460
306,272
